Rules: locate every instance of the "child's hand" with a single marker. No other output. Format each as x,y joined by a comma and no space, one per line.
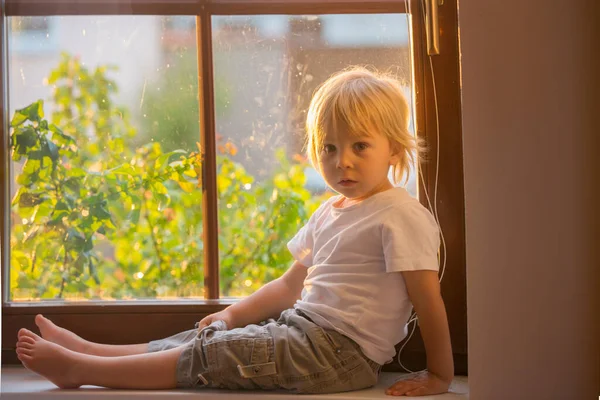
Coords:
224,315
419,384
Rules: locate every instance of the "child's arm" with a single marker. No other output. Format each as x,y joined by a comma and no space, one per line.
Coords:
424,292
267,302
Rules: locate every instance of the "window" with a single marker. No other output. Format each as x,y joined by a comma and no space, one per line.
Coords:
266,68
161,177
100,214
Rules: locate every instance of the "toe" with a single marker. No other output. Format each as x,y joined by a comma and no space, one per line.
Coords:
25,345
24,351
26,339
41,319
28,333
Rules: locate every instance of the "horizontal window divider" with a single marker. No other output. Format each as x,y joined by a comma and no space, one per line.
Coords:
243,7
197,7
101,7
182,306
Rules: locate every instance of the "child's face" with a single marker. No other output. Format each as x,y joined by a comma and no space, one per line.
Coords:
356,166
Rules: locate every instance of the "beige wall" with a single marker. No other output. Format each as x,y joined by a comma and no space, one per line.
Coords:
528,124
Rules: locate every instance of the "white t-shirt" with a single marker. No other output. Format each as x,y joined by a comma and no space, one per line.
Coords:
354,256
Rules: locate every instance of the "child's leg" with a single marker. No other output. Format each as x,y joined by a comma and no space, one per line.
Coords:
71,341
68,369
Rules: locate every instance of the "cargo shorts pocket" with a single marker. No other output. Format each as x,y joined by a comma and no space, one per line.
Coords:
330,337
242,359
261,369
257,370
340,345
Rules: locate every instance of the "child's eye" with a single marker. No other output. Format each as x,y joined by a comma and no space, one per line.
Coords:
361,146
328,148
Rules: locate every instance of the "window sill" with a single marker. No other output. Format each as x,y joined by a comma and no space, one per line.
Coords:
19,383
116,306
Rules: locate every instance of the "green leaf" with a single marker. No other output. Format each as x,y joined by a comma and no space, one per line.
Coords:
162,161
33,112
159,188
30,199
60,137
21,259
71,200
89,244
50,150
61,205
94,199
114,196
74,240
123,169
77,173
97,226
81,261
42,211
73,184
18,118
108,223
57,217
191,173
187,186
86,223
24,139
100,212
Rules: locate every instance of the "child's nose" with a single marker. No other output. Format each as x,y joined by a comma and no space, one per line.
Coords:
344,159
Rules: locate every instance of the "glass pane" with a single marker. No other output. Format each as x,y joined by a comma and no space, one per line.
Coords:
266,69
104,180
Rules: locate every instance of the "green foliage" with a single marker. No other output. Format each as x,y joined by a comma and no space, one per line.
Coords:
97,216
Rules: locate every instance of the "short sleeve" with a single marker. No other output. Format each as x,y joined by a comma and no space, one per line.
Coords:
411,239
302,244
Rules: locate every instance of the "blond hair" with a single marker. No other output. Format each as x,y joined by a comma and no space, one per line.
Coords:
364,102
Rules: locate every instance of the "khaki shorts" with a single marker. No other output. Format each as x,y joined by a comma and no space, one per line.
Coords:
292,353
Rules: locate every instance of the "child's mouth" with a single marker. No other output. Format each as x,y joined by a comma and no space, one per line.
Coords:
347,182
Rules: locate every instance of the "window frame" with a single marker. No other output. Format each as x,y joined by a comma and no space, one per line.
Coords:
143,321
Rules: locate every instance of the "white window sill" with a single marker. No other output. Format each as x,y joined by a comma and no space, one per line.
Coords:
19,383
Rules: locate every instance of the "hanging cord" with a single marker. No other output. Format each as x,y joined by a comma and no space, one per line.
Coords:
432,207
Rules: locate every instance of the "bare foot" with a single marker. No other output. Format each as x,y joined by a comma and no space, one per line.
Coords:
61,336
53,362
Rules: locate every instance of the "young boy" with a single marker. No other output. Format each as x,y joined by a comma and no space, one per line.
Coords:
363,260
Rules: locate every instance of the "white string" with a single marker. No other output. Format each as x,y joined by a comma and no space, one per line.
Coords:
433,208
